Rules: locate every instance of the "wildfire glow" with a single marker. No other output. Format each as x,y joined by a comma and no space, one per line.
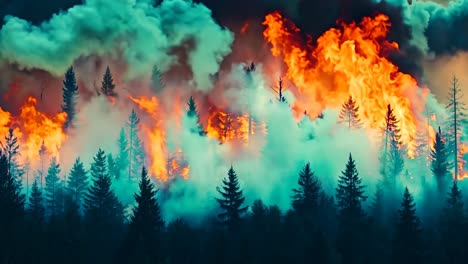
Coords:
348,61
156,147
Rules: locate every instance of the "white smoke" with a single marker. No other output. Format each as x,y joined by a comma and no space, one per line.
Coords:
142,34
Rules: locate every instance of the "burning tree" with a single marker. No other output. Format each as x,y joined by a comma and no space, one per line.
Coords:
69,94
349,114
231,201
440,164
392,160
108,85
457,119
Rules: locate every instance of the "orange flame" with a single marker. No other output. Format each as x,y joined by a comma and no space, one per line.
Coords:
156,136
461,166
5,119
347,62
37,128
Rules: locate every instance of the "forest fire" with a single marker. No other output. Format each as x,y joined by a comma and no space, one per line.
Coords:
348,62
35,130
156,147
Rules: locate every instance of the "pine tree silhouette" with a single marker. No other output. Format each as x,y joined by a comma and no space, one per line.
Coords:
453,225
192,112
306,198
36,208
352,231
231,201
157,82
439,163
407,246
457,118
146,224
78,182
349,114
100,202
135,148
12,209
108,85
53,188
122,158
392,160
69,94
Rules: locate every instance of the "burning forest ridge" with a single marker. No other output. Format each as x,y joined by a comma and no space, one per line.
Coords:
187,109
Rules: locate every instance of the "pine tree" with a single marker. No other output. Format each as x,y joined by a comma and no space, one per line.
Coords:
77,182
192,112
108,85
69,93
11,151
351,217
453,225
36,207
103,212
122,158
306,197
407,248
53,188
100,202
349,114
156,80
231,201
440,164
12,210
135,149
392,160
457,118
281,97
146,224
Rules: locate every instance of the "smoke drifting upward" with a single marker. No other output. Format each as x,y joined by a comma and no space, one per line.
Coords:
379,52
135,32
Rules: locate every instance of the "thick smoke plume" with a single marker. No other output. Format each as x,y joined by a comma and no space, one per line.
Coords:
139,33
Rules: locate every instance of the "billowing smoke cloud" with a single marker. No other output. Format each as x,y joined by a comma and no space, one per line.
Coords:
142,34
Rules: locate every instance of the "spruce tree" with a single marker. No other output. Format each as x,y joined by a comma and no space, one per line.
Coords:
77,182
69,93
392,160
351,217
100,202
122,158
231,201
11,151
12,210
407,247
306,197
135,148
439,163
454,226
156,80
457,119
53,188
146,224
349,114
108,85
36,208
192,112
